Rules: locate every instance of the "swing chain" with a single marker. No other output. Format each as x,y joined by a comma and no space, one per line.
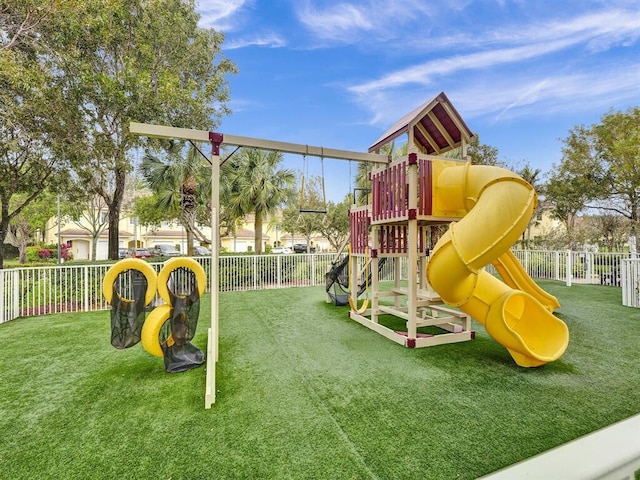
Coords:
305,167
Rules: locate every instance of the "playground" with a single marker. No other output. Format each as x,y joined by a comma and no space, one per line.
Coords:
305,392
410,196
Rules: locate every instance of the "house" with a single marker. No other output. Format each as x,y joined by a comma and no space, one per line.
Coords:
79,236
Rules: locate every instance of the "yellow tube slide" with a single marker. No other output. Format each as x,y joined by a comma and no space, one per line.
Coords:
514,275
499,205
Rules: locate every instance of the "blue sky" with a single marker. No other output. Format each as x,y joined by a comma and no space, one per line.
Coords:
336,74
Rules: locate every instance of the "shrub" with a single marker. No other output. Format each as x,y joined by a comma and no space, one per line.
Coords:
45,254
32,254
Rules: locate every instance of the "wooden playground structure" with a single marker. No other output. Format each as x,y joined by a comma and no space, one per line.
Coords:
397,223
391,227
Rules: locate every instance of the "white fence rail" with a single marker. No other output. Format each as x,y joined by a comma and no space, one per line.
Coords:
70,288
612,453
78,288
630,275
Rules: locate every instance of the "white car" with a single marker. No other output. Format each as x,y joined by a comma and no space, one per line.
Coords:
281,250
164,250
201,251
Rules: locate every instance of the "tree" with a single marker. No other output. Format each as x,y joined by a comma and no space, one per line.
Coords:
255,184
93,212
178,181
31,219
609,227
19,21
617,145
36,143
482,153
600,169
336,226
477,153
363,182
533,177
148,212
127,60
578,180
295,221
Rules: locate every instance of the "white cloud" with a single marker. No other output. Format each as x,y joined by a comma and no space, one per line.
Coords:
271,40
350,22
219,14
559,94
339,22
499,98
525,69
425,73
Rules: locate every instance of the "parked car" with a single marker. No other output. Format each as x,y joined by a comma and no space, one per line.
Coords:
122,253
281,250
302,248
139,253
165,250
201,251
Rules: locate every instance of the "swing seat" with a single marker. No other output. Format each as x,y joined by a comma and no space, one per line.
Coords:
363,307
310,210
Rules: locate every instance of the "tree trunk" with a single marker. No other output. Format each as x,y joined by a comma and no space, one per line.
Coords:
257,239
22,248
114,214
189,242
94,248
3,234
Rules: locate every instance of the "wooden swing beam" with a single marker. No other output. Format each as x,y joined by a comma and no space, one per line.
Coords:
161,131
217,139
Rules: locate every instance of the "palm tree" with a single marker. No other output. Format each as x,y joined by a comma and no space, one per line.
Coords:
253,183
532,176
179,181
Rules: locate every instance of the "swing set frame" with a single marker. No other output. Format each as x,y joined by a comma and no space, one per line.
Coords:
217,139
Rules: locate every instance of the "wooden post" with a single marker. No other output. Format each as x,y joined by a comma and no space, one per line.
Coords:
213,333
375,271
412,247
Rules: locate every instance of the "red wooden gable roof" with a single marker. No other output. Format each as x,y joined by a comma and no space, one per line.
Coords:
437,127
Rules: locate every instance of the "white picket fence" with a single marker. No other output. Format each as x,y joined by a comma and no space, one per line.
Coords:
29,291
78,288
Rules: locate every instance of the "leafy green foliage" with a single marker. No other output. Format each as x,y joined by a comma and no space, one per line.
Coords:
335,226
599,169
252,182
134,60
311,197
181,185
483,154
149,212
35,146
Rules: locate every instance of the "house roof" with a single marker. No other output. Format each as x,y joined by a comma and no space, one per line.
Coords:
165,233
83,232
75,232
245,233
436,125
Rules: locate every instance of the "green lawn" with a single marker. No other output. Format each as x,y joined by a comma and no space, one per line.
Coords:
303,392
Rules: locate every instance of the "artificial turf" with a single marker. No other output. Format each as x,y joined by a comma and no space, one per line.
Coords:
303,392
